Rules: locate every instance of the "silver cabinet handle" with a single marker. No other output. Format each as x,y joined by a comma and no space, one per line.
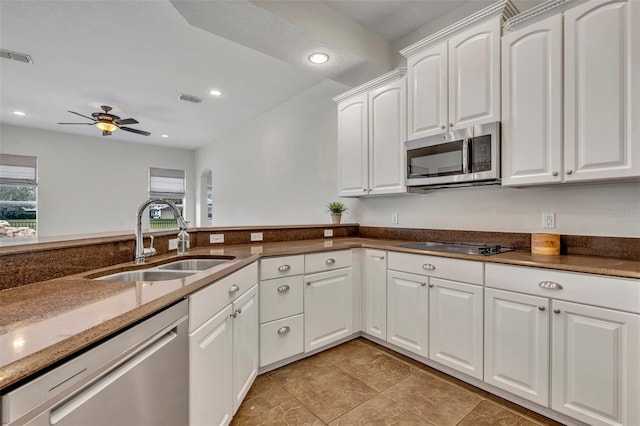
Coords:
423,284
284,268
428,267
430,285
308,283
330,261
283,288
284,330
550,285
554,173
234,289
378,257
569,171
450,124
235,314
542,308
556,311
443,127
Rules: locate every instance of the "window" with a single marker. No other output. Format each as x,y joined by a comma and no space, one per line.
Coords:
167,184
18,195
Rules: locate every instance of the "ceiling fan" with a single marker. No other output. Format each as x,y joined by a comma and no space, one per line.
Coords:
109,123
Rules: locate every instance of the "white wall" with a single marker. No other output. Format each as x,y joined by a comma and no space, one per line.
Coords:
280,168
91,184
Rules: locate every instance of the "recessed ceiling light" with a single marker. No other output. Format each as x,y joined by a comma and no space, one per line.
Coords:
318,58
215,93
164,136
20,113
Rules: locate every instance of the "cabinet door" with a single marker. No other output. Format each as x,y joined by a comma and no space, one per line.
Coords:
408,312
387,133
455,325
427,92
328,309
210,371
594,356
375,293
602,90
474,75
532,104
245,344
353,146
516,344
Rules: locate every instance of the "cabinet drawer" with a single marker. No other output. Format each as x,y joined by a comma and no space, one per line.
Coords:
281,339
440,267
276,267
280,298
609,292
327,260
207,302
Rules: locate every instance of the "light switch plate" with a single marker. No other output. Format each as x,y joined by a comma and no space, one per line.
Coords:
173,244
256,236
216,238
328,232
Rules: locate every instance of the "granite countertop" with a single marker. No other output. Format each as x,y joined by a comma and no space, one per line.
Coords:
44,323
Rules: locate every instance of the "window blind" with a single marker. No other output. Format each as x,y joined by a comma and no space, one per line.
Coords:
18,170
166,183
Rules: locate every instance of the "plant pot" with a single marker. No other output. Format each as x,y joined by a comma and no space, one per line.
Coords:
335,217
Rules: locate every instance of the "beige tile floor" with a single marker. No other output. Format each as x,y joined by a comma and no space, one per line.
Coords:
361,383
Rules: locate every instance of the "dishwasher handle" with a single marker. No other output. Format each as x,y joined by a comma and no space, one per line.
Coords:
111,376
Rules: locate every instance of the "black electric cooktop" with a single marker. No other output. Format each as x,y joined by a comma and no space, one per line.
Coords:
464,248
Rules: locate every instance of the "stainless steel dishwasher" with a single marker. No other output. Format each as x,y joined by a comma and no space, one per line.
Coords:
136,378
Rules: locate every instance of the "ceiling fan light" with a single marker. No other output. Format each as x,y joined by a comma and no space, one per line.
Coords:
106,126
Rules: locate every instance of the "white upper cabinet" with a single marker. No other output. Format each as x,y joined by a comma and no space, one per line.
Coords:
428,92
353,144
532,104
372,127
580,124
602,90
474,75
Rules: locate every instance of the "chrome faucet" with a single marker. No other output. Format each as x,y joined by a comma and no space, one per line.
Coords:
141,251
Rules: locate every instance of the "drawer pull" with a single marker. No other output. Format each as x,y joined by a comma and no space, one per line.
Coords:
430,285
542,308
550,285
284,268
284,330
556,311
308,282
378,257
423,284
283,288
428,267
234,289
330,261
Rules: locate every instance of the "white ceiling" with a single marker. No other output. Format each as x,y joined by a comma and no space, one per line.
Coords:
139,55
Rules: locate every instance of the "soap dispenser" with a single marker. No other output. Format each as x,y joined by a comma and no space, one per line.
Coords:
183,242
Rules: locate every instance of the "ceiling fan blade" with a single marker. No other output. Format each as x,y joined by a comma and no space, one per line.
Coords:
90,124
127,121
140,132
77,113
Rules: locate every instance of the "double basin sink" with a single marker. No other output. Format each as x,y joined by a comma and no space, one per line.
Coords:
169,271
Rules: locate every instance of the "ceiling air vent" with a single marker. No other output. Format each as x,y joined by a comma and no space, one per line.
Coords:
16,56
189,98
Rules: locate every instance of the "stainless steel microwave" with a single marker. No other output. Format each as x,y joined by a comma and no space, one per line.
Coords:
463,157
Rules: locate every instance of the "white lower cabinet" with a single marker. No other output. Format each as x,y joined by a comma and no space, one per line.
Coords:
595,359
328,308
408,312
211,363
245,344
455,325
516,348
374,288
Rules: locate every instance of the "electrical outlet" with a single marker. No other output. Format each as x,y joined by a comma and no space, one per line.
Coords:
328,232
216,238
256,236
173,244
548,220
394,218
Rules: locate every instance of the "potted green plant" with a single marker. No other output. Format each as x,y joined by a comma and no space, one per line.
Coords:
336,208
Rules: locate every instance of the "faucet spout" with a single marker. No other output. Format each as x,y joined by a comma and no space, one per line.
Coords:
141,251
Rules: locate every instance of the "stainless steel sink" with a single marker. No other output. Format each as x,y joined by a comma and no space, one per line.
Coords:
192,264
146,275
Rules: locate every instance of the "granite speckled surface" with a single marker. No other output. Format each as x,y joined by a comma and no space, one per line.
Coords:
46,322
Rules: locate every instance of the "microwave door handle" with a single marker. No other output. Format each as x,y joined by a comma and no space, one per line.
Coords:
470,156
465,156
